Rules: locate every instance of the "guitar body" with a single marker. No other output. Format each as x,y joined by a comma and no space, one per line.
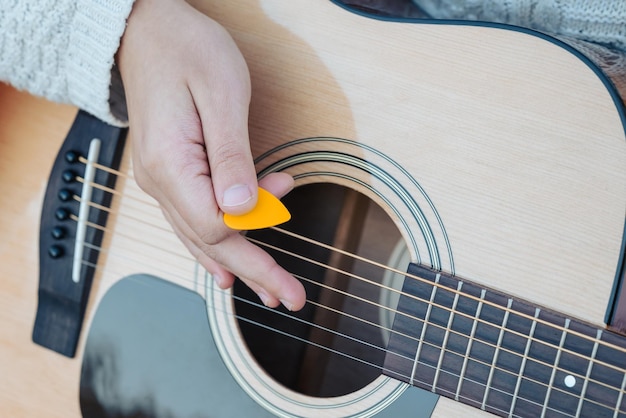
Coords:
510,147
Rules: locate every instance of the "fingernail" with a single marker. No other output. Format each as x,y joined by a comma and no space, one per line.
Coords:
236,195
218,280
287,304
264,298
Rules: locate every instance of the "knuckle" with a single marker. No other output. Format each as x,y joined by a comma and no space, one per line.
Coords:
227,156
210,238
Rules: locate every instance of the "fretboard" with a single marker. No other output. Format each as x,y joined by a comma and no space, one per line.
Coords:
501,354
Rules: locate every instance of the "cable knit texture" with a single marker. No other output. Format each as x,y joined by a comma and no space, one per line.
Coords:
598,21
65,50
595,28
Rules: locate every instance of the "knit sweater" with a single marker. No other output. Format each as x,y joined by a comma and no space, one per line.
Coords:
599,21
65,50
597,28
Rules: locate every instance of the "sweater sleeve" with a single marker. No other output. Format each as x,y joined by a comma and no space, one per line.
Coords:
597,21
64,50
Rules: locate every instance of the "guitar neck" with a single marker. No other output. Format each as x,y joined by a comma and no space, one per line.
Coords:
503,355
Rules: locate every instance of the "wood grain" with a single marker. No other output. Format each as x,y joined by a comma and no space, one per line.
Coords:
518,143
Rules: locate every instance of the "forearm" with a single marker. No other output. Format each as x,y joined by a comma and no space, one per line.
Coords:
65,50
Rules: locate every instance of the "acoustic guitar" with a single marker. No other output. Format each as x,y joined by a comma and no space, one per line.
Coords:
458,223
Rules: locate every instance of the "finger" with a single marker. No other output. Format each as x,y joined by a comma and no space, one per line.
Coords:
278,184
228,254
234,256
222,277
253,265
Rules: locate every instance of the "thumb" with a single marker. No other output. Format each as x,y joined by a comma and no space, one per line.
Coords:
222,98
230,159
232,171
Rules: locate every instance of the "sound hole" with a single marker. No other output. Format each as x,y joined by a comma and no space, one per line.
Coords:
336,344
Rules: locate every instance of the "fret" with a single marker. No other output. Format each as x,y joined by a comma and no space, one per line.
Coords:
583,391
506,356
524,360
606,380
620,398
495,356
511,359
533,364
538,368
420,345
469,346
572,379
446,337
483,348
554,370
414,306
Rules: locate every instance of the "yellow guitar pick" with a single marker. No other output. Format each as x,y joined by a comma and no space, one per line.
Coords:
269,211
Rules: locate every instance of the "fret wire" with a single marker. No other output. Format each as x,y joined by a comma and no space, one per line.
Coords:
444,343
620,397
518,384
432,302
421,279
583,391
424,326
468,350
572,333
154,204
120,274
554,369
443,391
393,331
189,258
250,302
622,349
471,297
495,355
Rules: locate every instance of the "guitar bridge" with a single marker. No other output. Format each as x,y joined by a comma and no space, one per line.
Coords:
75,200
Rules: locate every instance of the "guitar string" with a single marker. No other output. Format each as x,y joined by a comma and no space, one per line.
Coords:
452,291
400,272
365,280
129,175
438,390
107,169
369,261
346,355
395,332
475,298
117,274
429,283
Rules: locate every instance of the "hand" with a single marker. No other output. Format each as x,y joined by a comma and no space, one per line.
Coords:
188,92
